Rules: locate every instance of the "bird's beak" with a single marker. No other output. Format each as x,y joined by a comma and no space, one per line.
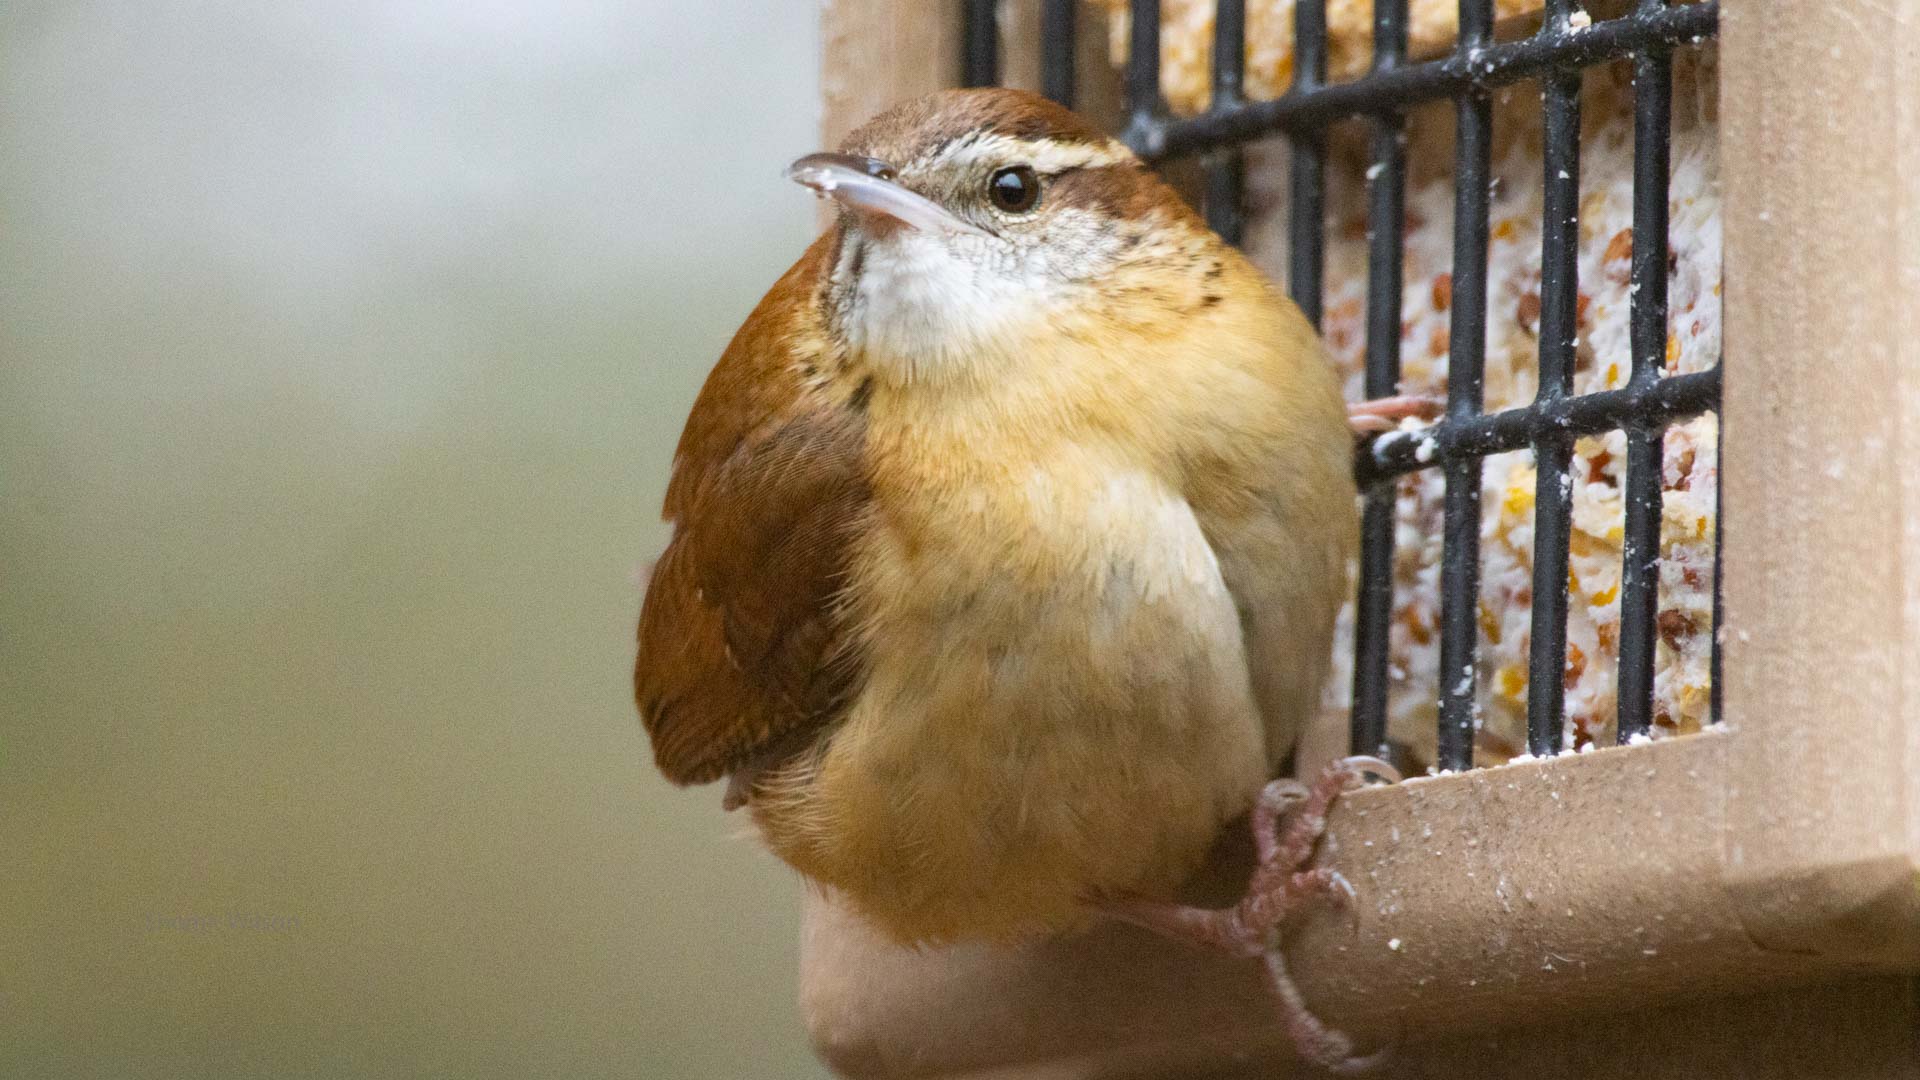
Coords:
863,184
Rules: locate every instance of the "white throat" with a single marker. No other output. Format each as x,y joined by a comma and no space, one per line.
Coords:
926,305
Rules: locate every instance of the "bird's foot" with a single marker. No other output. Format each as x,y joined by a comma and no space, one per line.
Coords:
1384,414
1288,820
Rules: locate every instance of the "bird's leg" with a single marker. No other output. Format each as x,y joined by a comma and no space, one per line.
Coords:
1384,414
1313,1040
1288,820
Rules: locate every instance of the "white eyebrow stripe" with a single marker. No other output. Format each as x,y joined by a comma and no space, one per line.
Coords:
1045,156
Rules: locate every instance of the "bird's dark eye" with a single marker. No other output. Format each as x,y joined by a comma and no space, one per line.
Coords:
1015,189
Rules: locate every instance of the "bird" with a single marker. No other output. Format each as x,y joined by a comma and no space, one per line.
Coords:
1009,533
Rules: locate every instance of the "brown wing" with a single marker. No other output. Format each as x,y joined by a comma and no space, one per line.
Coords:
741,645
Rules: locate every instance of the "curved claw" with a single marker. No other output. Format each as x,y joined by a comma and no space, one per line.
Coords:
1333,887
1343,897
1278,797
1361,1064
1283,793
1363,765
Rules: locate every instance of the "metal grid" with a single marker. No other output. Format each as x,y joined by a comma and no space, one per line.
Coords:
1555,56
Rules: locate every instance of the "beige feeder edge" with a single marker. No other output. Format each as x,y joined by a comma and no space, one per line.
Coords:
1588,915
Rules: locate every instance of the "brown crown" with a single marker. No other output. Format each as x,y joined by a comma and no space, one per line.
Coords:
924,126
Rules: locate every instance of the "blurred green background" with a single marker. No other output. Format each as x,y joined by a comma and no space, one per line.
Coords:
343,346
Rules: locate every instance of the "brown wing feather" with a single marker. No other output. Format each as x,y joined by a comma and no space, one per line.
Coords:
741,644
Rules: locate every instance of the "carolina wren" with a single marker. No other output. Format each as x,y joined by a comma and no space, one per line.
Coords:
1009,535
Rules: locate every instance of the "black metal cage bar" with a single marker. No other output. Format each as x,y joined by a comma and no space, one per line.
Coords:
1647,330
1386,216
1145,111
1553,447
980,56
1466,383
1307,166
1057,50
1556,55
1324,103
1226,168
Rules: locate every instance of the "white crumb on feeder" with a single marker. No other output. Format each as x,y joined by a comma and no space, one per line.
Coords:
1394,944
